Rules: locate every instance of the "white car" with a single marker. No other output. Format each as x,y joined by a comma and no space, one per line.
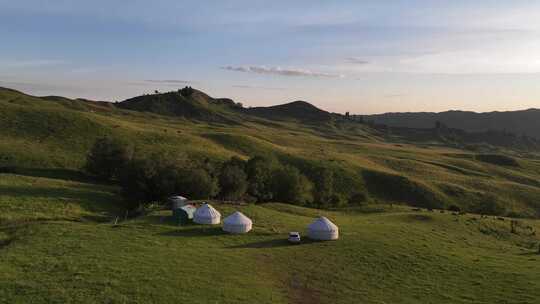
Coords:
294,237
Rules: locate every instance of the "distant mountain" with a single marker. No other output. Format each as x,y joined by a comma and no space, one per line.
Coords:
525,122
466,130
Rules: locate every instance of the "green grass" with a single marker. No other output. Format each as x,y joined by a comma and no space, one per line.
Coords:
58,245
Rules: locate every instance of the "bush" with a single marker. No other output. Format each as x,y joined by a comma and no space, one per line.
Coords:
106,158
489,205
233,180
359,198
498,159
454,208
290,186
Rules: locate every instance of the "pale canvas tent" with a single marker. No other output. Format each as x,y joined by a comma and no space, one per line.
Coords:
206,214
323,229
237,223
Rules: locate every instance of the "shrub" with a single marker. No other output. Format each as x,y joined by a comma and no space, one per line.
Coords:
498,159
359,198
489,205
290,186
233,180
454,208
106,158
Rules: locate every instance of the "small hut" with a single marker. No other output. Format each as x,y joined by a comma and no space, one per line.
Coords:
323,229
237,223
184,214
206,214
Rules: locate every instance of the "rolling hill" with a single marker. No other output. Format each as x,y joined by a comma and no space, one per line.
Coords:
418,169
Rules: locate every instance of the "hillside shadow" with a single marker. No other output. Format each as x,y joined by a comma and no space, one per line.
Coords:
61,174
93,201
194,231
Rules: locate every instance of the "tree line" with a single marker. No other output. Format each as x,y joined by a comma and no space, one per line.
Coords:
154,177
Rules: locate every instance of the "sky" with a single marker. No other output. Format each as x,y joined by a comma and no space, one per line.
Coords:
364,57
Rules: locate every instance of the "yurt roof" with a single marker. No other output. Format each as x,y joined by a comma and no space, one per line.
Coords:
237,218
322,224
206,210
178,197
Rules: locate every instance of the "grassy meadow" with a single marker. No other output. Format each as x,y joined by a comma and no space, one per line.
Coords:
59,244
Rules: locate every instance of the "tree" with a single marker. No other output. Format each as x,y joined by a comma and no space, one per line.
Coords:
107,157
260,172
323,180
290,186
154,178
233,182
197,183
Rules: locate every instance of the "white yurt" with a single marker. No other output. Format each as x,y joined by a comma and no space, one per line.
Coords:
206,214
323,229
237,223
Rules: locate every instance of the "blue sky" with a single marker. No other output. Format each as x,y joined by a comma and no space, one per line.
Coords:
358,56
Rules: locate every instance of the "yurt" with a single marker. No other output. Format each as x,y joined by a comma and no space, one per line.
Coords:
237,223
206,214
184,214
177,201
323,229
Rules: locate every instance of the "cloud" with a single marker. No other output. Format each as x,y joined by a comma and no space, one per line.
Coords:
356,60
258,87
169,81
280,71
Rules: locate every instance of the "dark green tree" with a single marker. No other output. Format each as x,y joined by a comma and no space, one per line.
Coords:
260,172
290,186
233,182
107,157
323,180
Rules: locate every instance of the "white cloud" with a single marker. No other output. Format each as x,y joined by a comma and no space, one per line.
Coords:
280,71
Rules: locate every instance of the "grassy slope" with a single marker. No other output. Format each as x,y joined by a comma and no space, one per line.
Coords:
57,245
41,133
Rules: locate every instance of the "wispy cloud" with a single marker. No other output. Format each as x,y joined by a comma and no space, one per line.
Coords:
356,60
258,87
280,71
170,81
